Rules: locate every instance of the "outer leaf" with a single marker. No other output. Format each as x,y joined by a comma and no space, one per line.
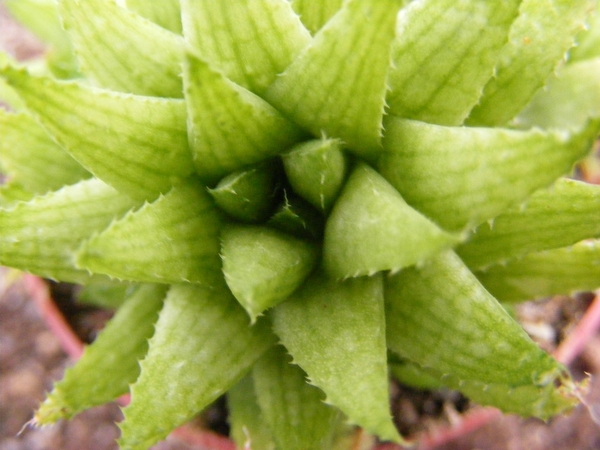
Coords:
294,410
344,353
136,144
112,46
31,158
434,81
569,100
202,346
316,170
552,272
538,40
230,127
110,364
314,14
487,347
459,177
371,228
174,239
563,215
263,266
40,236
326,89
588,41
166,13
250,42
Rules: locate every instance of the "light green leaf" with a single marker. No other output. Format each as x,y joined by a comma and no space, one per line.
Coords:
327,90
319,323
173,239
412,375
316,170
41,235
250,42
202,346
106,294
166,13
230,127
538,40
570,98
248,428
110,364
30,157
263,266
566,213
288,404
314,13
461,177
119,50
298,218
136,144
8,96
588,41
445,52
443,298
371,228
543,274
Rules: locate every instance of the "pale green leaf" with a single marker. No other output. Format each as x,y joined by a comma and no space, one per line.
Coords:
166,13
263,266
315,13
41,235
566,213
298,218
230,127
294,410
173,239
202,346
543,274
337,85
250,42
461,177
588,41
317,170
538,40
30,157
106,294
343,353
371,229
443,298
8,96
445,52
111,363
136,144
119,50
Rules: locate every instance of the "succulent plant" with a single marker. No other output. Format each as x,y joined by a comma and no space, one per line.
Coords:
352,187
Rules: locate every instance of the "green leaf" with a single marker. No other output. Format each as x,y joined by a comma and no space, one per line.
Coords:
202,346
326,89
566,213
316,170
230,127
298,218
110,364
105,294
461,177
443,298
543,274
248,428
571,98
112,45
371,228
166,13
173,239
263,266
249,42
588,41
314,13
538,40
344,353
30,157
41,235
288,404
445,52
136,144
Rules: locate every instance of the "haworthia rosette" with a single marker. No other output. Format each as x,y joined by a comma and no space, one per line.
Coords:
319,323
372,229
136,144
166,13
216,348
460,177
111,363
342,102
